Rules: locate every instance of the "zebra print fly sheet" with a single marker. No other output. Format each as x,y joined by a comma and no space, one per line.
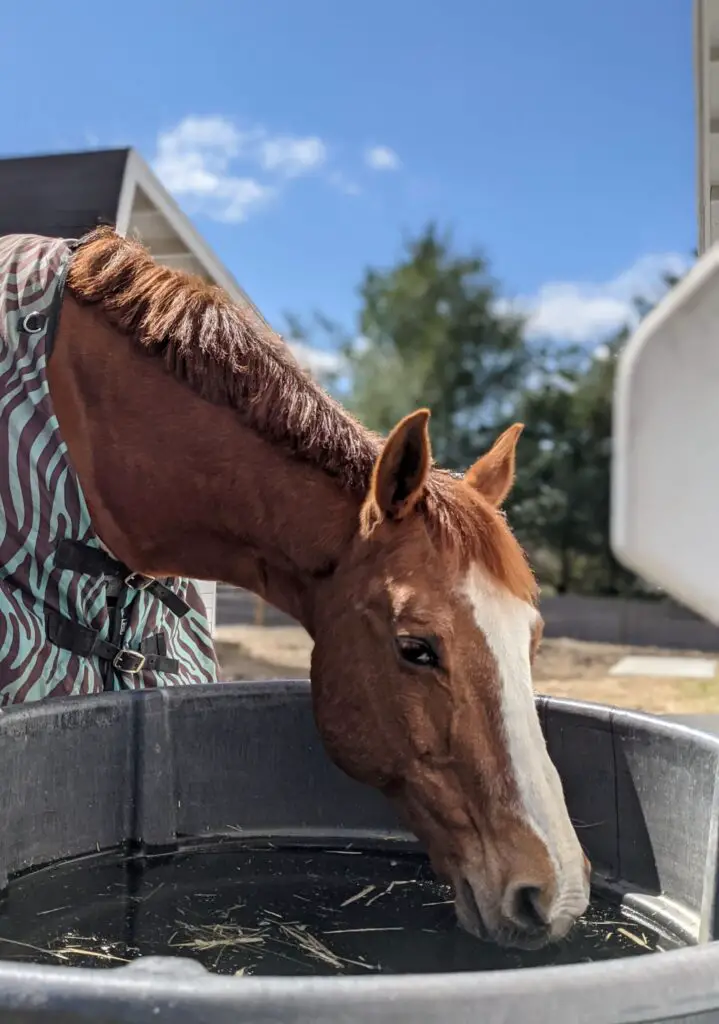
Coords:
70,620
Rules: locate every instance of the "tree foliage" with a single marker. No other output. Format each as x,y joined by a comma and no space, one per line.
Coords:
433,334
561,504
434,331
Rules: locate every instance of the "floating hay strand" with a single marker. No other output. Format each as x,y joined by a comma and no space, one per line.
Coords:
620,928
34,949
68,951
272,930
53,910
150,894
310,945
389,889
219,936
638,940
359,895
360,931
313,947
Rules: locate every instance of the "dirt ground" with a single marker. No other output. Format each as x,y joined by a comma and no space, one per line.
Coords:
564,668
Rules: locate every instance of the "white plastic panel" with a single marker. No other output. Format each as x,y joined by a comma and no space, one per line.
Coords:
665,486
208,592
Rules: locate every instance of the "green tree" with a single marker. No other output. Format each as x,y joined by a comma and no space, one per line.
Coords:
433,330
433,333
560,506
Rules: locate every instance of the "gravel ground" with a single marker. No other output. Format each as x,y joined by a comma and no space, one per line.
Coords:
564,668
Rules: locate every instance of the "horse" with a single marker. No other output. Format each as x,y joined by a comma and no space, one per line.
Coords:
202,449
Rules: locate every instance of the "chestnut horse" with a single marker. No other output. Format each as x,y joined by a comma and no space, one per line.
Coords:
204,451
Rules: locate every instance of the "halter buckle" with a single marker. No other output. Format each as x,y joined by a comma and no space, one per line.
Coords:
129,661
139,581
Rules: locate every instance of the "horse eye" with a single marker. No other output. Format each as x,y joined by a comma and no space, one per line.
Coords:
416,651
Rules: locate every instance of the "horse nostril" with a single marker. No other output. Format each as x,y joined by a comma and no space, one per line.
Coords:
524,907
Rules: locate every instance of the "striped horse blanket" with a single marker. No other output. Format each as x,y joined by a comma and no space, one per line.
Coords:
73,619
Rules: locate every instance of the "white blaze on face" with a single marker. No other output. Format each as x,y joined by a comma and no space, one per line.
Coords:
506,623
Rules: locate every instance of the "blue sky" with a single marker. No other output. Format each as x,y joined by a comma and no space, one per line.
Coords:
305,137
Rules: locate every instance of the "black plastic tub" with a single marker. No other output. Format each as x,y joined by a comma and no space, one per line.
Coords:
81,775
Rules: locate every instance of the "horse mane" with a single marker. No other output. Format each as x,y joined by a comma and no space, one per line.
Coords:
225,352
229,356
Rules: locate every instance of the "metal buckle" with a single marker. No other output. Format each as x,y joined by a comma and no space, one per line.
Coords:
138,581
33,323
129,661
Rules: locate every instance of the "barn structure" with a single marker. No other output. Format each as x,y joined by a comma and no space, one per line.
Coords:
67,194
706,74
665,466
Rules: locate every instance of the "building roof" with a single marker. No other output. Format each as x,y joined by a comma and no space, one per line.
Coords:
706,77
67,194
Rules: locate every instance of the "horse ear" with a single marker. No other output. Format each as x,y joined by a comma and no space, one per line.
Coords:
493,474
400,472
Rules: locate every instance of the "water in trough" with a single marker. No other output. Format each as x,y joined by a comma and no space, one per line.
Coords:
258,907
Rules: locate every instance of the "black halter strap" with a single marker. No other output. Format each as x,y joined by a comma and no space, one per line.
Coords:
77,639
79,557
71,636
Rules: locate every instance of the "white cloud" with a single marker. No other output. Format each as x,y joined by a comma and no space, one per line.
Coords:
343,184
382,158
211,133
193,160
318,361
292,156
360,345
585,312
201,158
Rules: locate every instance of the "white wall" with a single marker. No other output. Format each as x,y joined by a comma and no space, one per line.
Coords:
208,592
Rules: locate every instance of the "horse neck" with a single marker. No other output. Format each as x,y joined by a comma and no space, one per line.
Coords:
177,486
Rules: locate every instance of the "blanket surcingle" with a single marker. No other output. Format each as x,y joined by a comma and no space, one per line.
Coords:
73,620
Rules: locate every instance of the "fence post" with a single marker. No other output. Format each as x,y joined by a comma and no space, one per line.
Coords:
260,611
